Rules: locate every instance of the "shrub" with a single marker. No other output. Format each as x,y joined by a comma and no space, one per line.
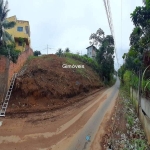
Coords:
10,50
88,61
37,53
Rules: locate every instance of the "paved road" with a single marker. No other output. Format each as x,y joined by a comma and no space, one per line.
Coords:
84,139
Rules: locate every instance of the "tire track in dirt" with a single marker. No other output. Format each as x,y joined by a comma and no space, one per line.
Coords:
76,123
61,129
79,140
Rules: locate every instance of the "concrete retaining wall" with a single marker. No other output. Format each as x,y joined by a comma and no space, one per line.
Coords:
7,69
3,77
144,111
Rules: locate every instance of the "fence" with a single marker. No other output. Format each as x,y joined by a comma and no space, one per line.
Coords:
144,111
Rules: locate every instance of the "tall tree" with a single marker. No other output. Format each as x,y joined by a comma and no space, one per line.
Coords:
105,58
139,38
5,37
138,56
97,38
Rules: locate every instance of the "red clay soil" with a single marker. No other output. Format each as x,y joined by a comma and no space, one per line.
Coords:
44,85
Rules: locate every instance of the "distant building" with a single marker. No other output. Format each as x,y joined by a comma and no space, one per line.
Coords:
91,51
20,32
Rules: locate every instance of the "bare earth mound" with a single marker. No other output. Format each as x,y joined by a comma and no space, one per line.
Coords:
43,84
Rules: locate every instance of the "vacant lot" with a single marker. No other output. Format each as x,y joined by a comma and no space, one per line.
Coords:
43,84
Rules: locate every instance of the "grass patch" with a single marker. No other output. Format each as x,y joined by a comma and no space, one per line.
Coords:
71,61
32,57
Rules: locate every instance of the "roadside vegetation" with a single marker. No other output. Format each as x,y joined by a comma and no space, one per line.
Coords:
128,133
134,137
135,72
124,130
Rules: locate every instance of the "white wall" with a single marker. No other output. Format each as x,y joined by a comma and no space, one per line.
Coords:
145,105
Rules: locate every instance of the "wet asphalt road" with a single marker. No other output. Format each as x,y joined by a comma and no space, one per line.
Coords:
84,139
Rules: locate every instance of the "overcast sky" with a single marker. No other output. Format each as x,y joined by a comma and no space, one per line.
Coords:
69,23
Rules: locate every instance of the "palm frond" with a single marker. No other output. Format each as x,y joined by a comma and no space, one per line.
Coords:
8,25
7,38
1,7
5,11
4,15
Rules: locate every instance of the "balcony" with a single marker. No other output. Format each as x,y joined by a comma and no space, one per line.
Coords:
22,35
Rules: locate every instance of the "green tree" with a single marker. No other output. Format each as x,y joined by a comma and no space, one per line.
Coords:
139,38
97,38
37,53
67,50
137,58
59,52
7,45
13,53
5,37
105,58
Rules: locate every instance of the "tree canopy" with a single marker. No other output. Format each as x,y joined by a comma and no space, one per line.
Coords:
105,57
67,50
37,53
138,56
5,37
97,38
59,52
7,44
139,38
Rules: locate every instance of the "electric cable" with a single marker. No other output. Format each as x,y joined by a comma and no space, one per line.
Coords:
110,22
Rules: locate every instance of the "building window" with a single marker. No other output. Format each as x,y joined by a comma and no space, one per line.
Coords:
19,43
20,29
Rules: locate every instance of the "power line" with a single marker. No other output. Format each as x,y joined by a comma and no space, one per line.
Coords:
112,28
110,22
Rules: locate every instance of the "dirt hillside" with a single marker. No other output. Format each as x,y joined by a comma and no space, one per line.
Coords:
43,84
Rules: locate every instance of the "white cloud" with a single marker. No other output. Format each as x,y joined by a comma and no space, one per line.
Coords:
69,23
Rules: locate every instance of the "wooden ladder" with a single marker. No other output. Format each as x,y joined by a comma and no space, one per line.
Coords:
7,98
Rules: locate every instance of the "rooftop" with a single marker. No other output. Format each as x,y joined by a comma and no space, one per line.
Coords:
91,46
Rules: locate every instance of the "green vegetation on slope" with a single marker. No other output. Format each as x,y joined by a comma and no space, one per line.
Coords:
103,63
138,57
